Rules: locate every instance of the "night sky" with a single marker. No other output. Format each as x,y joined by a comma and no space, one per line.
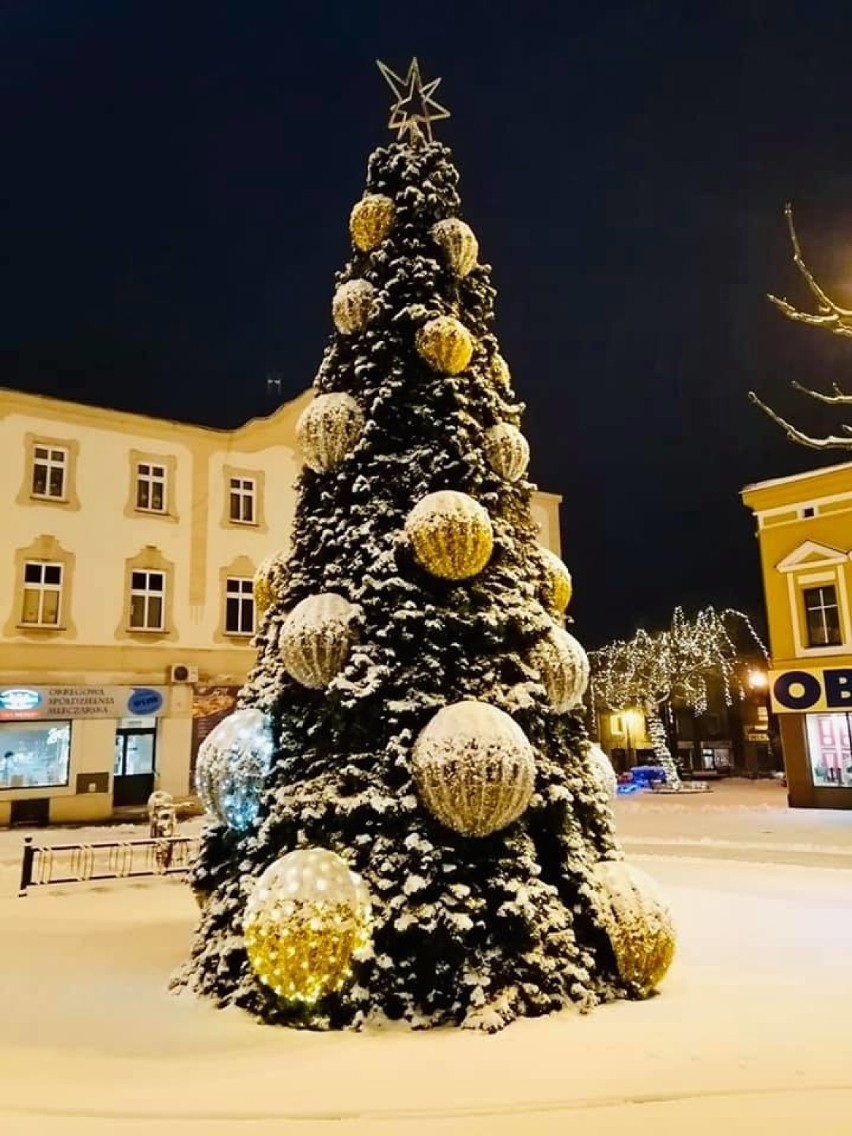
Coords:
177,179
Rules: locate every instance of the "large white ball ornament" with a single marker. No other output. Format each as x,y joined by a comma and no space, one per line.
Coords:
353,305
563,668
451,534
306,919
474,768
328,429
638,922
316,638
507,451
602,771
458,243
233,761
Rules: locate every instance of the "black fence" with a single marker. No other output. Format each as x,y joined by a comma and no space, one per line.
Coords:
105,860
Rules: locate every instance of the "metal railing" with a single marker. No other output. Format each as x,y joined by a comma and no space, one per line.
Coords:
105,860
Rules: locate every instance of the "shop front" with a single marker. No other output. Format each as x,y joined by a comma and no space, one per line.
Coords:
814,708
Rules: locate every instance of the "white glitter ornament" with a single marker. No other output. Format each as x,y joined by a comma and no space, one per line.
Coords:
353,304
328,429
474,768
563,668
507,451
603,771
458,244
233,761
316,638
451,534
307,917
638,922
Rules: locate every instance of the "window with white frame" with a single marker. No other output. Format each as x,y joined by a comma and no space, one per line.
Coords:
822,616
42,593
50,472
239,606
147,600
151,487
242,500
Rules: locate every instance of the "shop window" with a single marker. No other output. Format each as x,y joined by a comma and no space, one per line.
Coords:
241,494
34,755
42,594
50,472
150,487
147,600
830,750
822,616
239,606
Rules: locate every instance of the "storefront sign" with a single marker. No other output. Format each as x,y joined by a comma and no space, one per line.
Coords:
21,703
818,688
210,705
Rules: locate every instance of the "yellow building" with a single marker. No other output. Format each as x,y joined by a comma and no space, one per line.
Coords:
804,529
130,544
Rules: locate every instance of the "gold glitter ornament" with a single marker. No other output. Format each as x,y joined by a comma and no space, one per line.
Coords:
474,768
353,305
638,922
316,638
264,585
558,585
328,429
458,243
507,451
451,535
370,221
307,917
563,668
445,344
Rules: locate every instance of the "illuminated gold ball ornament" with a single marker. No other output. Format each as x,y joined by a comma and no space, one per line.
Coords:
445,344
328,430
474,768
451,535
602,771
307,918
500,372
316,638
638,922
353,306
558,585
458,243
563,668
507,451
370,221
264,583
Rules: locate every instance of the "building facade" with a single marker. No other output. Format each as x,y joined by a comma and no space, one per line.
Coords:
126,607
804,530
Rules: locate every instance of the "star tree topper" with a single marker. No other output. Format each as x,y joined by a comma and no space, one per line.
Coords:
414,106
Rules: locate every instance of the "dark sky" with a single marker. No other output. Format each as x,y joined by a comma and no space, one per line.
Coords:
177,178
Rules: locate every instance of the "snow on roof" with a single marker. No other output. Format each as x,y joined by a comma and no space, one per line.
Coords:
796,477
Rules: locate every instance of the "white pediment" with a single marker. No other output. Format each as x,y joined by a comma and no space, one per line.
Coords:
811,554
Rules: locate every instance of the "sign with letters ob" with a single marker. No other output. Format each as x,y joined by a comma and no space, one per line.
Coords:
811,688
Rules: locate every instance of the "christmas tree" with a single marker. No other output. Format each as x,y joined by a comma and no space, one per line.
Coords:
412,823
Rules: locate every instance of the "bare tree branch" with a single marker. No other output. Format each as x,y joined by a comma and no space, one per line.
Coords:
837,397
829,321
826,304
795,435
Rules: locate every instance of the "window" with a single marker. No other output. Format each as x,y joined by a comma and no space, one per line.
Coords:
830,750
151,487
241,507
42,593
147,600
50,470
239,606
34,754
808,511
822,616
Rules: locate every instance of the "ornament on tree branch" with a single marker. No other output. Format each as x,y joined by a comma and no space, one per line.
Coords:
232,764
558,585
445,344
474,768
316,638
458,243
264,583
307,918
500,372
638,922
507,451
328,430
371,220
353,306
451,535
563,668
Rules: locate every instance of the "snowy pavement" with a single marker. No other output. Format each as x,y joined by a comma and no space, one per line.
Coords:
752,1025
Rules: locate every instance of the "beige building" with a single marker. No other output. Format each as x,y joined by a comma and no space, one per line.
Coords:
126,609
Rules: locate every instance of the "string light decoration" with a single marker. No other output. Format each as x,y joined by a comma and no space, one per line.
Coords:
638,922
673,668
306,920
232,764
831,317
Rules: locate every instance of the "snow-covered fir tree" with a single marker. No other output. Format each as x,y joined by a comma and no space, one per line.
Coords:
420,695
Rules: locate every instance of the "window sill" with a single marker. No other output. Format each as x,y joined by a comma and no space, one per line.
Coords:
50,499
151,512
146,631
243,524
241,636
41,627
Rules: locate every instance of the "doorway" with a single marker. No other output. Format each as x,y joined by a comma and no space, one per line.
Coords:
135,761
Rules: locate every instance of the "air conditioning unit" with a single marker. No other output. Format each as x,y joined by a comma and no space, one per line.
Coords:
180,672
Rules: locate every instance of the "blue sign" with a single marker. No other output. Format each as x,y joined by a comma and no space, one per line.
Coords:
144,702
826,688
16,701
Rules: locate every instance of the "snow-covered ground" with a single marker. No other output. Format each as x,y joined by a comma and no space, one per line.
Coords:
752,1026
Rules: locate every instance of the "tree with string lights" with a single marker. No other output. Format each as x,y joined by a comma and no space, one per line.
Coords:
661,672
831,317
